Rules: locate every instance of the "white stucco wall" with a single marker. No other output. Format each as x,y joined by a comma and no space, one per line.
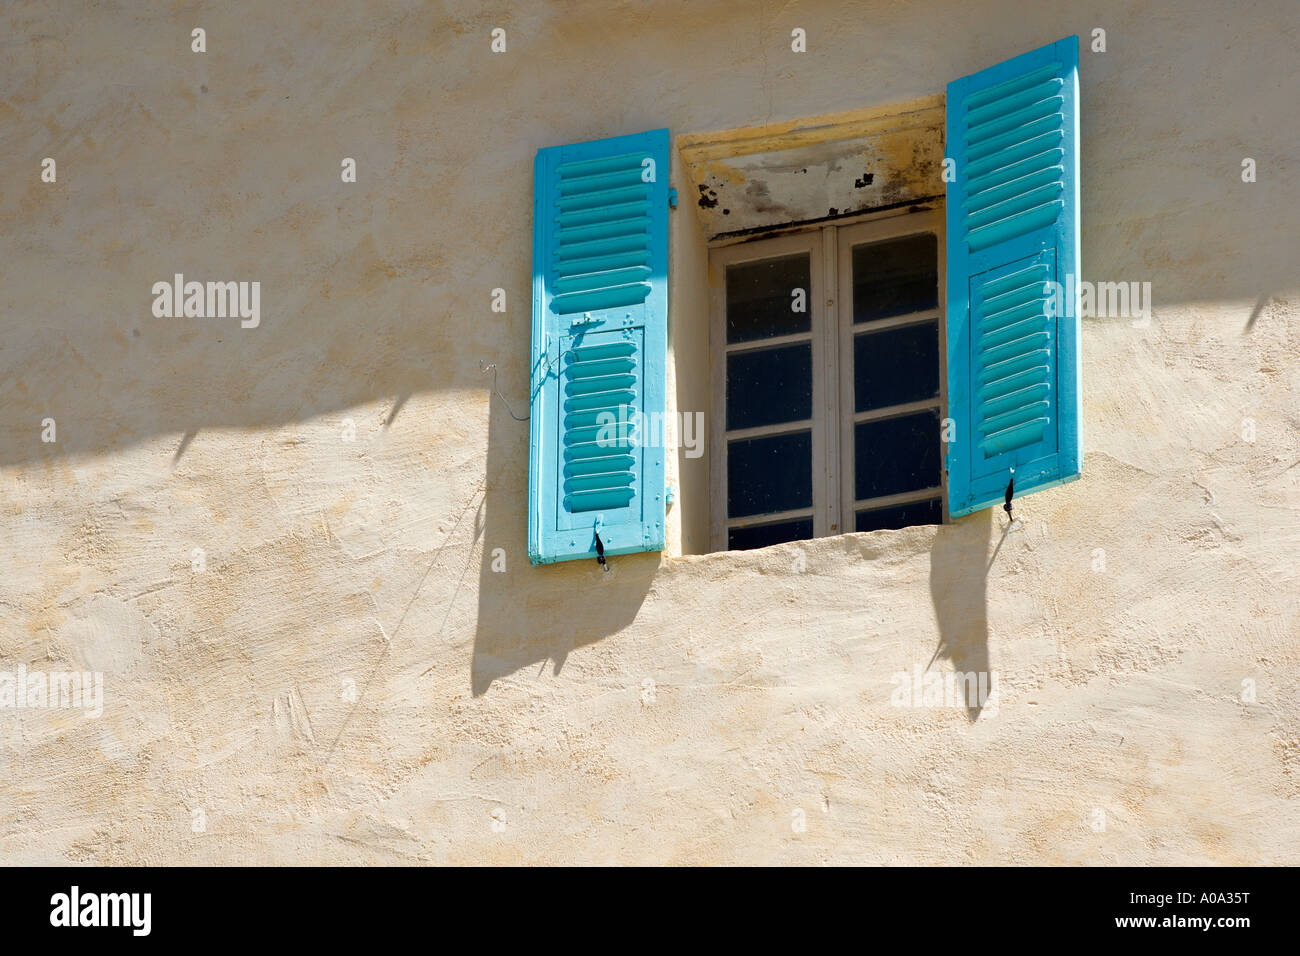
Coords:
680,709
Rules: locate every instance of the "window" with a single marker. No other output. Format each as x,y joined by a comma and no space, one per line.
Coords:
828,376
831,368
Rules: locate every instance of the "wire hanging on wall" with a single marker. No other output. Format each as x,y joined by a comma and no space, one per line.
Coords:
493,369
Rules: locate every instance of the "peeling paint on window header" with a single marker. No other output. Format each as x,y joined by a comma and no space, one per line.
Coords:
765,177
760,232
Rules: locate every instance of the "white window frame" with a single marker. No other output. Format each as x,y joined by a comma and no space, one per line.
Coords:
831,331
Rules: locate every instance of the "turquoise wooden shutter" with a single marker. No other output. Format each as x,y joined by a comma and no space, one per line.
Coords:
599,348
1013,265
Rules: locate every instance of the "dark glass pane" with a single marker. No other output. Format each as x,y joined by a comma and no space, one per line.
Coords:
897,277
760,300
769,474
769,386
895,366
896,455
742,539
901,516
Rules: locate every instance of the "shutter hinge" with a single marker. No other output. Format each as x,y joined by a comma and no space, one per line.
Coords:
672,198
546,361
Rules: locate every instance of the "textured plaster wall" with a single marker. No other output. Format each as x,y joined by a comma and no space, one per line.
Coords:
699,709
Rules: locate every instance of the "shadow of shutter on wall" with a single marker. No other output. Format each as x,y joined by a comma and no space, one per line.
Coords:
599,348
1013,265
